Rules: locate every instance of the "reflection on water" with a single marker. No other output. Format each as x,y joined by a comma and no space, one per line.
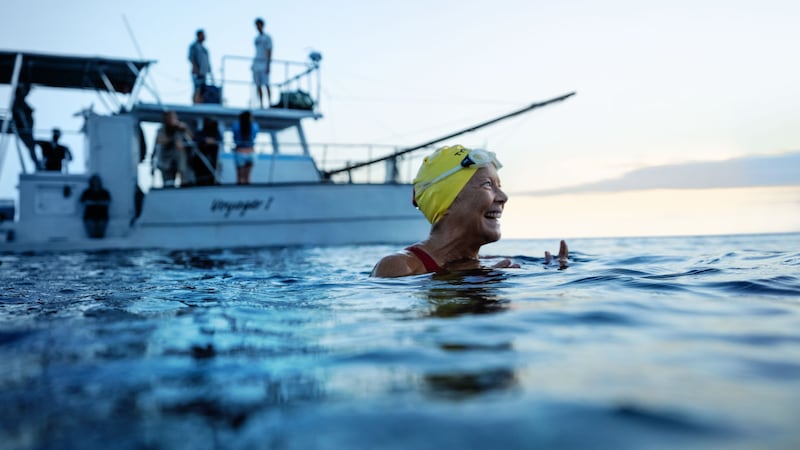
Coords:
196,260
473,302
459,385
470,292
467,292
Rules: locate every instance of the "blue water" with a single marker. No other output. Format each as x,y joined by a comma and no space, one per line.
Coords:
640,343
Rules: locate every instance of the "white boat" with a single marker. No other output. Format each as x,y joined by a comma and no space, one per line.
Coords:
291,201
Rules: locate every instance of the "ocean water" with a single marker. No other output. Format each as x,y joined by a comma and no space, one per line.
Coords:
640,343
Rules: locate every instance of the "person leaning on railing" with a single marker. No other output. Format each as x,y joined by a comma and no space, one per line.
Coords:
458,191
170,154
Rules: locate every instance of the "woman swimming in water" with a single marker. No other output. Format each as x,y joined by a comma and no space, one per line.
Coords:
458,191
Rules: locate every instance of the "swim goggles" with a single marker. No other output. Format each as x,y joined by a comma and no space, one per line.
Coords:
475,158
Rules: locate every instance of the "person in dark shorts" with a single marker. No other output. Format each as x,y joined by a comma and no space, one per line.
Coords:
22,115
204,162
201,65
95,213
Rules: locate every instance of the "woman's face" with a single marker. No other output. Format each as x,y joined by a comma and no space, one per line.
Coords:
480,204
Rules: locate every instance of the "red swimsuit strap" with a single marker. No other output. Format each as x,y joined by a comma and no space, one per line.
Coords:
427,261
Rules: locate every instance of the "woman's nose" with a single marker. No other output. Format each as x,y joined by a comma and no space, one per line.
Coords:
501,196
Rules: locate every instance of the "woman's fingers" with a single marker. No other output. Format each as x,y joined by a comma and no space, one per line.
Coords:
502,264
563,255
506,263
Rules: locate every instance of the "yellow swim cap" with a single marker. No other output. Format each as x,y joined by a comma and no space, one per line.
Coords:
442,176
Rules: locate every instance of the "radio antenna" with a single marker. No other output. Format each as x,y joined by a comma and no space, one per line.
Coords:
153,89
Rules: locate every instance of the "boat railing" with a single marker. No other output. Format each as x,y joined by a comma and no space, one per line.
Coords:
400,169
332,156
288,78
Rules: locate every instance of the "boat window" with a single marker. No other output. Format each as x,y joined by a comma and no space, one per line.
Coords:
264,143
289,141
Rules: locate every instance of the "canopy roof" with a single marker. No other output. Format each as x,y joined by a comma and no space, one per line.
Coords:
272,119
72,72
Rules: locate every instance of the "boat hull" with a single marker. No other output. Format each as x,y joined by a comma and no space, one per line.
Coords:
231,216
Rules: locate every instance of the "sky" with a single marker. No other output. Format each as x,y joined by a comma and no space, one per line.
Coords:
692,86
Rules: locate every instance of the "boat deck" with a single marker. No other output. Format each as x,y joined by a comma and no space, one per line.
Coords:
272,119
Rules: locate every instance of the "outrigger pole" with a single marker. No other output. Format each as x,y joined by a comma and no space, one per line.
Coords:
327,174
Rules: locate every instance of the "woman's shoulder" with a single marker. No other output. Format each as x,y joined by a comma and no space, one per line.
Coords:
398,264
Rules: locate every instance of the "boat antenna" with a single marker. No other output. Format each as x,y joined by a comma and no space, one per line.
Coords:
154,88
132,36
327,174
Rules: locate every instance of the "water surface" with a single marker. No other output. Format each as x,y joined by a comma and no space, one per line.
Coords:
640,343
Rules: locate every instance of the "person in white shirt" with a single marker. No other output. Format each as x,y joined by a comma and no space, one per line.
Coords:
261,63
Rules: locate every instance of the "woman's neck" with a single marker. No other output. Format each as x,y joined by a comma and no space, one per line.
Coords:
451,249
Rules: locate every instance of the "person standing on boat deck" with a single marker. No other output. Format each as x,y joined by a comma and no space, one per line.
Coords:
54,153
244,138
204,162
201,65
458,191
22,115
173,141
262,62
95,199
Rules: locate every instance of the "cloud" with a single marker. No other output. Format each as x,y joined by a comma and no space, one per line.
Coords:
752,171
